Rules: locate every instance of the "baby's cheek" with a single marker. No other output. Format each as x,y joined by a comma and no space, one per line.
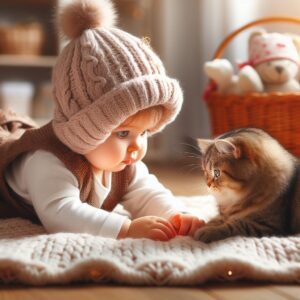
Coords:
110,156
142,152
117,153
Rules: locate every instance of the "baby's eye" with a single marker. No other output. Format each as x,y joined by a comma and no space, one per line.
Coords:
144,132
217,173
122,134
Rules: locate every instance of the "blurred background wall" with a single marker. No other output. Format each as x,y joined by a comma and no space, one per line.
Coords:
185,34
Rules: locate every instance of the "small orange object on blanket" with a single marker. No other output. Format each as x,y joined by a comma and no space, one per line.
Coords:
176,220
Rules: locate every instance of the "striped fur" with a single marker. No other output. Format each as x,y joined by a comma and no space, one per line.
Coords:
256,183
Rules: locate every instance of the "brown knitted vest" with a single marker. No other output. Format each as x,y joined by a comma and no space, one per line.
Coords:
20,135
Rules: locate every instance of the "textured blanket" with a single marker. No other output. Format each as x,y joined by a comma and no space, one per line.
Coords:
31,256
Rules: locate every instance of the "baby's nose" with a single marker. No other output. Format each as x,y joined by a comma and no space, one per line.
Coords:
133,148
133,151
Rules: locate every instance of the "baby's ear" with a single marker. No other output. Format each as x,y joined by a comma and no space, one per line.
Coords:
204,144
227,147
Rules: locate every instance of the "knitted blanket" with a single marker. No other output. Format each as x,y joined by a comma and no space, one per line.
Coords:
31,256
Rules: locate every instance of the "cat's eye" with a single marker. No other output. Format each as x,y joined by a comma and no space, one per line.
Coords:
217,173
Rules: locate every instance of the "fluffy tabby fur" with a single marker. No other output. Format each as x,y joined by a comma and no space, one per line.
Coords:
256,183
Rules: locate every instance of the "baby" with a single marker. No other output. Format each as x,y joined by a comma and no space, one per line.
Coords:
111,92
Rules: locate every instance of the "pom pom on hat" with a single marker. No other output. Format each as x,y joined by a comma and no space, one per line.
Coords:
79,15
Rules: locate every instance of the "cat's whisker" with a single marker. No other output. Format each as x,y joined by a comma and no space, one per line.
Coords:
190,154
198,154
191,167
196,168
186,167
191,145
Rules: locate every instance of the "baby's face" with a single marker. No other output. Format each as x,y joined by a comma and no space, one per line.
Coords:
126,145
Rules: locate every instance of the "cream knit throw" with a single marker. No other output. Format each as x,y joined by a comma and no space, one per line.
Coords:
30,256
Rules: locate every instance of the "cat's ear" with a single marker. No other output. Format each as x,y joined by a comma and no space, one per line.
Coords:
226,147
204,144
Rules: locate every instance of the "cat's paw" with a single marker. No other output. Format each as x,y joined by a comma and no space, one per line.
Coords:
216,222
208,234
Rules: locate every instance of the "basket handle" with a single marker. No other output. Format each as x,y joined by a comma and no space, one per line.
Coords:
231,36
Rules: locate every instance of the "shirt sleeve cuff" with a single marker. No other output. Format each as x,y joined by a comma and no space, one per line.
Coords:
112,225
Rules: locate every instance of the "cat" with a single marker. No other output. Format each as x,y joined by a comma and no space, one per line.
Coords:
256,183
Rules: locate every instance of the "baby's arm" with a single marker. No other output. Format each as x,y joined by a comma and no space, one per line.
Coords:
148,197
53,191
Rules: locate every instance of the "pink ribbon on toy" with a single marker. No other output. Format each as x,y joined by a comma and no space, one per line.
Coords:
245,63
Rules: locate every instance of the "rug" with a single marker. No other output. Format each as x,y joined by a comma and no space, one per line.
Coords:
30,256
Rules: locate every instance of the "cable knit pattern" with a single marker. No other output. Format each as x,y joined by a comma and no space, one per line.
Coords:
101,78
28,255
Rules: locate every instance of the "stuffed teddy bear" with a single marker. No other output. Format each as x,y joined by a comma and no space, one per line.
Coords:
275,58
273,66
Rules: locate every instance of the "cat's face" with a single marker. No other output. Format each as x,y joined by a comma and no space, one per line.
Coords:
245,169
228,169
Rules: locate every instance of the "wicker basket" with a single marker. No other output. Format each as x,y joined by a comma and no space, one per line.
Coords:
276,113
22,39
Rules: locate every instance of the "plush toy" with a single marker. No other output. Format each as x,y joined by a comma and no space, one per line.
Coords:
273,66
221,72
275,58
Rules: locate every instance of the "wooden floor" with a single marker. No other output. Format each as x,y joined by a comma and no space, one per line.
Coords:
182,181
208,292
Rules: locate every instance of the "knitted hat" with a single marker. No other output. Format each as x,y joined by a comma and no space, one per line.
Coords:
269,46
103,76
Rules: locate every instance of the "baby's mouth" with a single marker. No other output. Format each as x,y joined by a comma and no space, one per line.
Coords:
127,161
132,158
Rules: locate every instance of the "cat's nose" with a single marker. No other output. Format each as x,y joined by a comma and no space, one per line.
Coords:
209,182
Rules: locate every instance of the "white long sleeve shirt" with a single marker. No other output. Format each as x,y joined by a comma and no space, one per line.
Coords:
45,183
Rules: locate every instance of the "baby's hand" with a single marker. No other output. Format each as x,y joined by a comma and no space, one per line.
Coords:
186,224
151,227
